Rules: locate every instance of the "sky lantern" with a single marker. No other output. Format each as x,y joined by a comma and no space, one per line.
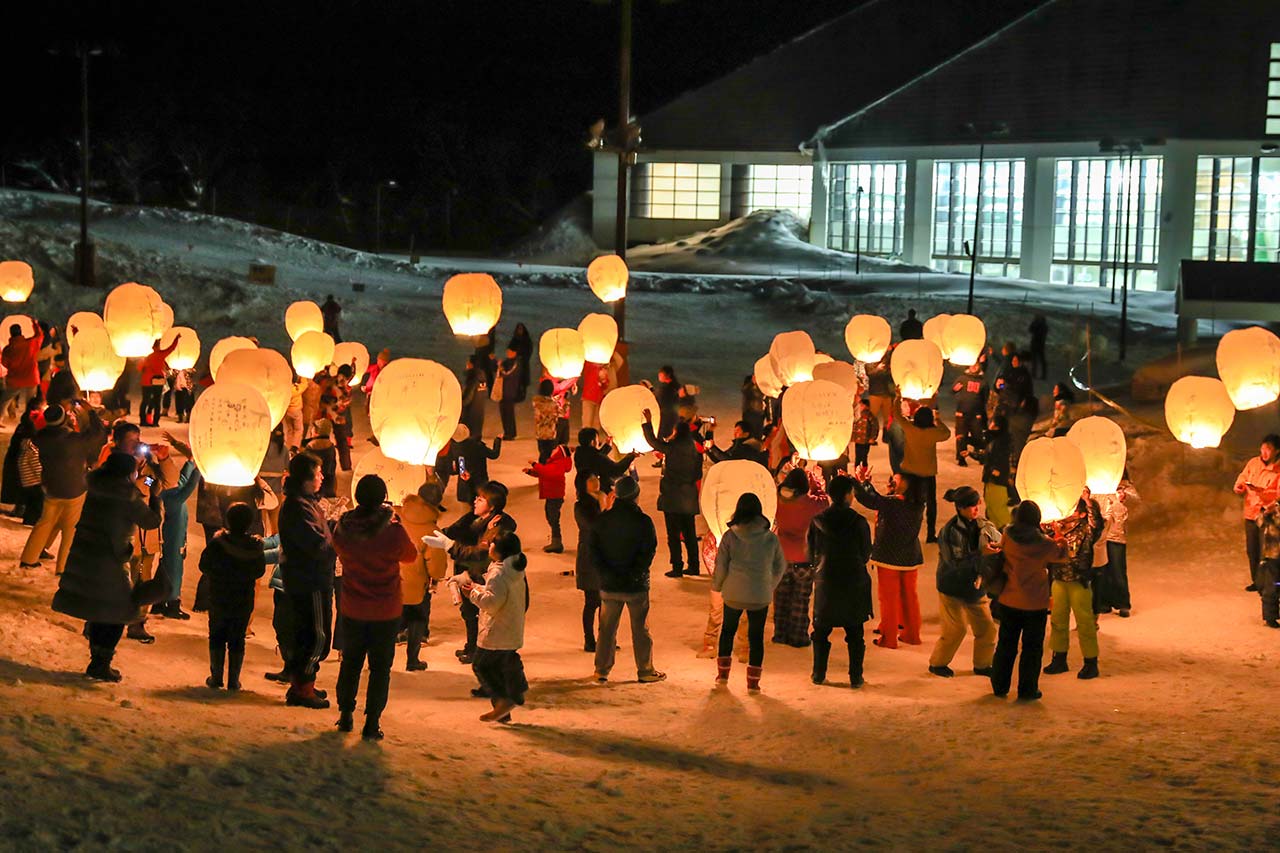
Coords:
230,428
1249,365
16,281
964,337
135,317
793,355
1052,472
767,377
93,360
916,366
934,330
842,373
607,277
729,480
346,353
26,323
302,317
821,358
1102,443
868,337
402,478
225,347
187,352
77,323
599,337
472,303
311,353
264,370
414,409
818,418
622,413
1199,410
561,353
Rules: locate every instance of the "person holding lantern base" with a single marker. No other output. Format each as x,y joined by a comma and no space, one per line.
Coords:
996,479
1070,578
798,505
1259,483
896,554
970,391
233,560
922,433
153,371
678,491
839,543
965,540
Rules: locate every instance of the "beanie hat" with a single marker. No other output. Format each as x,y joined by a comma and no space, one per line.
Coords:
627,489
118,465
55,416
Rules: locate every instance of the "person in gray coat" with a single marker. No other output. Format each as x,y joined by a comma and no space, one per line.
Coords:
749,566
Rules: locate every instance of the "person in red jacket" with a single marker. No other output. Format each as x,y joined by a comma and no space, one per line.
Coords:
371,543
551,476
155,370
22,375
595,384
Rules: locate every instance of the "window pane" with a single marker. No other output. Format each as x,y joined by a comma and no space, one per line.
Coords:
675,191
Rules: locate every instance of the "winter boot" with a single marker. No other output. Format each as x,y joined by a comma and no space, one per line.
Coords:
1057,665
723,666
100,665
345,721
413,647
555,546
371,731
753,678
303,695
857,651
138,631
235,660
821,652
217,661
1089,670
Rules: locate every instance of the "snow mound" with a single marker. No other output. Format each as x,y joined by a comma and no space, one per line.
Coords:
564,239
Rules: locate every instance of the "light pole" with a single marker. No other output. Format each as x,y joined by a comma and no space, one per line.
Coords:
84,250
1127,149
984,134
857,232
377,214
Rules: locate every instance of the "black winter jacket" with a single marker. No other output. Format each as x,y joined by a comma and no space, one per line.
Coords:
589,460
472,534
66,456
840,545
959,559
232,564
681,471
307,558
898,522
623,543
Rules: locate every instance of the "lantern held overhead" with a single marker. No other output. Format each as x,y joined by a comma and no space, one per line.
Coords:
1249,365
16,281
25,323
964,337
818,418
225,347
934,330
135,317
265,370
1102,443
599,337
80,321
868,337
793,355
729,480
1051,472
916,366
93,360
842,373
607,276
414,409
1199,411
187,353
621,416
353,353
230,428
311,353
561,353
402,478
767,378
472,303
302,317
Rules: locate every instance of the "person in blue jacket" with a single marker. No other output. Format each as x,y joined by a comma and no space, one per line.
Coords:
173,530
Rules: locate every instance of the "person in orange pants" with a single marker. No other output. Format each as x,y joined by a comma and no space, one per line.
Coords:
896,554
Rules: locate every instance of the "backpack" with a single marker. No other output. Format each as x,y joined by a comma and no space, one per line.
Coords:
991,571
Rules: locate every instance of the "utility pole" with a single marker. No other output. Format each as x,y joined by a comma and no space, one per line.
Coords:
983,135
857,233
84,253
626,144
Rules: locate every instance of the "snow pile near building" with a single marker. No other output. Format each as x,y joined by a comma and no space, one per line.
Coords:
564,239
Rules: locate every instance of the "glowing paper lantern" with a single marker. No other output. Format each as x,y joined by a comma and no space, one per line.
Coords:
188,351
767,378
80,321
1051,472
1101,442
607,277
264,370
302,317
963,336
135,317
561,353
599,337
414,409
16,281
402,478
230,427
225,347
934,330
311,353
1249,364
842,373
27,325
348,352
868,337
821,358
793,355
916,366
729,480
472,303
93,360
621,416
1199,410
818,418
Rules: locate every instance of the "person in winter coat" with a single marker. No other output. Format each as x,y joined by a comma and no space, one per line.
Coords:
754,407
745,446
910,328
323,447
896,555
970,392
95,586
232,561
475,396
670,393
1039,330
419,515
154,371
797,507
1019,404
866,432
22,375
965,540
591,459
1070,592
996,474
68,443
1269,566
506,390
1259,484
545,418
521,344
586,509
1024,601
922,433
22,467
1111,586
622,546
678,491
331,314
372,544
551,478
595,384
472,458
749,565
173,530
502,599
840,545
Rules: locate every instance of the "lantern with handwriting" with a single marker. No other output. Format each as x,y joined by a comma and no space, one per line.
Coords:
302,317
842,373
622,413
311,353
225,347
414,408
187,353
402,478
793,355
264,370
868,337
1199,411
599,337
963,337
472,303
934,329
767,378
729,480
1051,472
561,353
348,352
230,428
16,281
80,321
1101,442
1249,365
607,277
916,366
93,360
818,418
135,318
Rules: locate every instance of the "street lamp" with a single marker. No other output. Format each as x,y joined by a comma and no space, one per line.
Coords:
857,229
84,250
1126,148
984,133
377,213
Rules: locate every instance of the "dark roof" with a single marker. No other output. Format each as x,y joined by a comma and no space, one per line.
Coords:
777,101
1084,70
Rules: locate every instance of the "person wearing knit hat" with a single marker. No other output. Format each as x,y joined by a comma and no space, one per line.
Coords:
964,542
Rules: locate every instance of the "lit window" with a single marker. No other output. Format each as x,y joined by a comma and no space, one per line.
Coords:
1237,214
956,205
772,188
676,191
865,204
1273,91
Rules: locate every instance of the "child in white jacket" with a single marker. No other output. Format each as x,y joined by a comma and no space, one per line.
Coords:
503,599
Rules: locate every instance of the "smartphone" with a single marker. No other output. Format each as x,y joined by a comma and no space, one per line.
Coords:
462,465
149,481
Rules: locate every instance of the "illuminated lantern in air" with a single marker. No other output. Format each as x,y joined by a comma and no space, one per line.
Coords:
135,317
166,318
821,358
302,317
599,337
78,322
187,352
1199,411
402,478
607,277
349,352
16,281
1249,365
1101,442
225,347
964,336
767,378
934,329
868,337
621,416
93,360
561,353
916,366
25,323
818,418
842,373
729,480
1051,472
264,370
311,353
414,408
793,355
230,428
472,303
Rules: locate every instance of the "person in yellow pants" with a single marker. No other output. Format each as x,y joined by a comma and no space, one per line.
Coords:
1070,591
962,544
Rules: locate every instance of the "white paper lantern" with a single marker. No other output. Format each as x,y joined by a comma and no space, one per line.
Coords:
16,281
818,419
349,352
80,321
1051,472
402,478
225,347
1102,443
302,317
868,337
187,352
821,358
230,428
729,480
135,317
1249,365
916,366
265,370
472,303
607,277
166,318
311,353
621,416
793,355
767,378
414,409
93,360
599,337
1199,411
27,325
842,373
935,330
964,336
561,353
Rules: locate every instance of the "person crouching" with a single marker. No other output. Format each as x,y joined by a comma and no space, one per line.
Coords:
233,560
502,599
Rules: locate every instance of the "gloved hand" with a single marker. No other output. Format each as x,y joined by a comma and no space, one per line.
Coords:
438,540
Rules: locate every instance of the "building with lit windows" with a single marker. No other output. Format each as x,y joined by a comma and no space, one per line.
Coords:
1074,139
